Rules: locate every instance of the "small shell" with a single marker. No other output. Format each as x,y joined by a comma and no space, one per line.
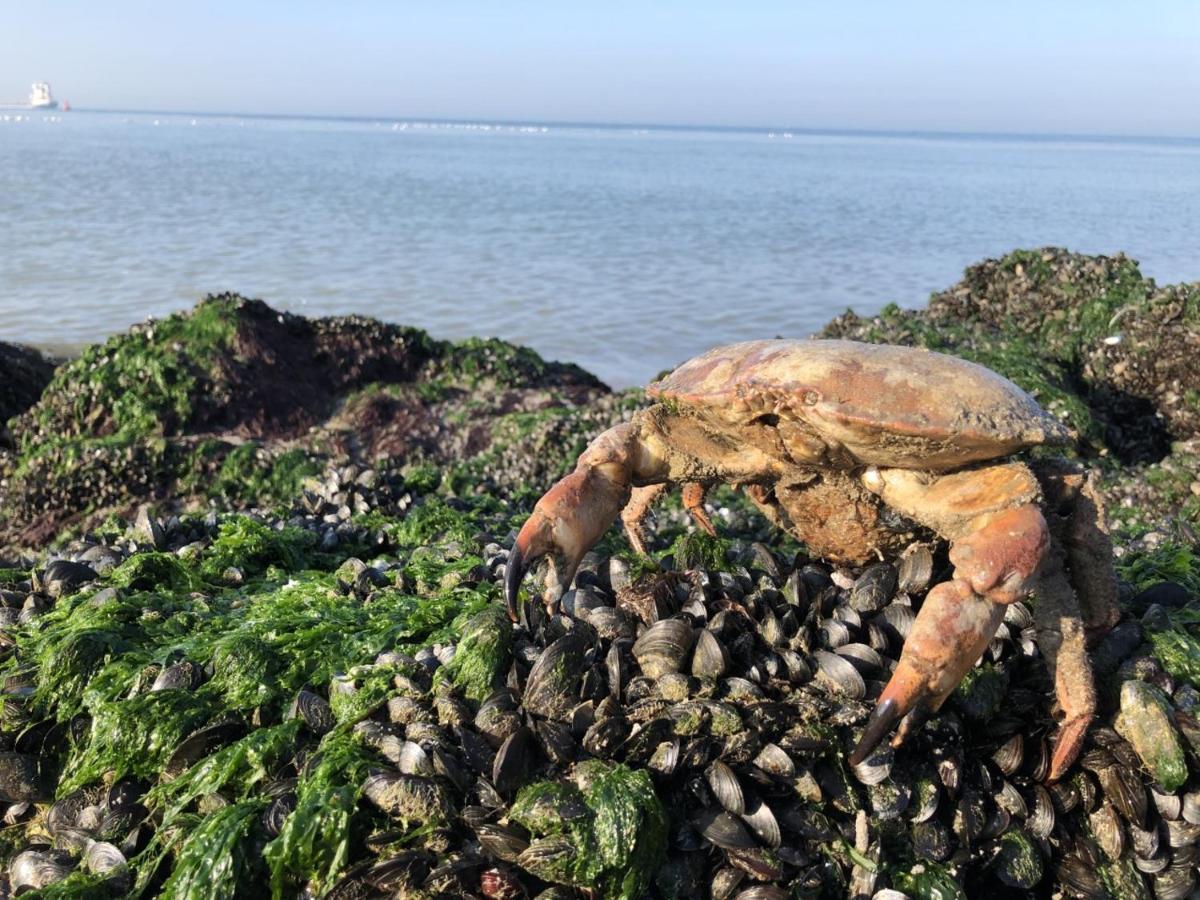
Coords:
1169,806
184,674
721,829
915,569
840,675
315,711
762,822
1108,831
552,688
874,588
663,647
1010,799
726,787
408,798
512,761
896,619
864,658
1010,754
199,744
506,842
877,766
834,633
710,659
102,858
1181,833
774,760
276,813
32,869
412,760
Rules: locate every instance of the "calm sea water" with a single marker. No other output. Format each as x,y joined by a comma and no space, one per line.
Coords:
626,250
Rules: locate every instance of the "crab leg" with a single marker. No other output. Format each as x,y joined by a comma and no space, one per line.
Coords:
998,539
571,516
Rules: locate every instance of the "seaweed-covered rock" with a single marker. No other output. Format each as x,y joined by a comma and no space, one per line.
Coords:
236,402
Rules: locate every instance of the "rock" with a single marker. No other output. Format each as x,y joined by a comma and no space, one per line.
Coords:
147,529
24,374
1146,721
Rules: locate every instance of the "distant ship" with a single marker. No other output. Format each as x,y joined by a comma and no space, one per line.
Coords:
39,98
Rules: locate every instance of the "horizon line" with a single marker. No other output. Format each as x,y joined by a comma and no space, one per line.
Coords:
660,126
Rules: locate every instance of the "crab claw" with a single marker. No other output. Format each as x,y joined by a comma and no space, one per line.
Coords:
946,639
564,525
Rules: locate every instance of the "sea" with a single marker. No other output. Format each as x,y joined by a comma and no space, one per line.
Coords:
625,249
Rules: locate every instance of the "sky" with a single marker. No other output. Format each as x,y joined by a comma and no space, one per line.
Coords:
1052,66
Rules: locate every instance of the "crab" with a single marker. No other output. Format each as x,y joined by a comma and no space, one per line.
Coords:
853,448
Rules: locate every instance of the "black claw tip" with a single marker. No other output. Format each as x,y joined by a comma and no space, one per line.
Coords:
885,715
514,571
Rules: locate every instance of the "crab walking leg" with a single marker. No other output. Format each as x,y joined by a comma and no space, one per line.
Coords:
571,516
633,516
1060,634
998,539
693,502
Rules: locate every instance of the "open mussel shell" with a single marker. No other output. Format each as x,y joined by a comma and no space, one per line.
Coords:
663,647
840,675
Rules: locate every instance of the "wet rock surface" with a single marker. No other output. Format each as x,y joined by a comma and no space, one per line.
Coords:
24,374
322,694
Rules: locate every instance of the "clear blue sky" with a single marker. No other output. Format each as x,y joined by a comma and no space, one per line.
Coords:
1046,66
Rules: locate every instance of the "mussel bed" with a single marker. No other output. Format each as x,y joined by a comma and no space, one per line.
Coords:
217,705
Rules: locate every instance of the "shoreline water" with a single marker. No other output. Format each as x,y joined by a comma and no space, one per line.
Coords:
625,252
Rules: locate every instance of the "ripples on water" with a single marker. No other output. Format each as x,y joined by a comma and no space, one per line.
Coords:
626,250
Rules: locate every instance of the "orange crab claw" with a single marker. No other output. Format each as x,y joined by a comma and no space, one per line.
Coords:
946,639
564,525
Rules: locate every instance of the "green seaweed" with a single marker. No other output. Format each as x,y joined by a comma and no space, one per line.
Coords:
616,834
251,546
314,844
700,550
483,654
217,861
1167,561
